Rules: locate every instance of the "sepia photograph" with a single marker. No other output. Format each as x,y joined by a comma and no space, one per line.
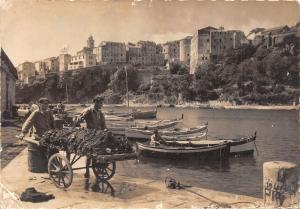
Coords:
137,104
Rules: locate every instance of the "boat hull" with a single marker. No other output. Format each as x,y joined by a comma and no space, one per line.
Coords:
204,154
144,114
193,134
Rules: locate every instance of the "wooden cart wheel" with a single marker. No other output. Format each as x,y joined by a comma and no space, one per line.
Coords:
104,171
60,170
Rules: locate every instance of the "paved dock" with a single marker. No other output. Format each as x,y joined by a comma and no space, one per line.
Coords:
129,192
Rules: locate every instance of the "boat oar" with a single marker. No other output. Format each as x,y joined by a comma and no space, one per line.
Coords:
255,144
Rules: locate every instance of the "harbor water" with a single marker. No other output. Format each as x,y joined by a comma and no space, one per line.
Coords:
277,139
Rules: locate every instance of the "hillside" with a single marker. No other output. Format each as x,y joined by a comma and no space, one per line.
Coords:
247,75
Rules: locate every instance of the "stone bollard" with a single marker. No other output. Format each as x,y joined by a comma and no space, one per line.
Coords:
280,183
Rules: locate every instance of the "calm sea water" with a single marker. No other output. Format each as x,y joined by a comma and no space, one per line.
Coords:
277,139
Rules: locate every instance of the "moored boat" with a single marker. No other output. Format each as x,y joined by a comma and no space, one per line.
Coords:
118,127
243,146
206,152
135,133
144,114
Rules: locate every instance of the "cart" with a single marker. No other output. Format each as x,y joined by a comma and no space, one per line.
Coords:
60,167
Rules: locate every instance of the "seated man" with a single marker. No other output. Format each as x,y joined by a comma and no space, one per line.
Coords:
60,108
155,139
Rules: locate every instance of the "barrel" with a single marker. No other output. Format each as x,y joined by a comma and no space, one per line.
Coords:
37,160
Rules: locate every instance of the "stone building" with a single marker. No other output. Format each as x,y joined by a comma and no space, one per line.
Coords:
51,64
171,51
26,70
40,67
83,58
148,50
185,50
90,43
64,61
159,57
133,54
9,76
145,53
110,52
211,43
276,35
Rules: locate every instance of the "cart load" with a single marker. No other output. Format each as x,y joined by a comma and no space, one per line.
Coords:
85,142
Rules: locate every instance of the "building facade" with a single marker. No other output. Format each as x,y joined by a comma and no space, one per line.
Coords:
26,70
40,67
211,43
51,64
8,79
171,51
148,49
133,54
110,52
64,61
83,58
185,50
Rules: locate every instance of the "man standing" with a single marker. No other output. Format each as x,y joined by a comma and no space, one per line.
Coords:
38,122
40,119
94,120
93,116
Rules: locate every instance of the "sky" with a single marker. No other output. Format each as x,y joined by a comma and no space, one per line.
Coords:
31,30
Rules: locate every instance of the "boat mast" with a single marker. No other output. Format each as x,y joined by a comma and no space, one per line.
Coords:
127,87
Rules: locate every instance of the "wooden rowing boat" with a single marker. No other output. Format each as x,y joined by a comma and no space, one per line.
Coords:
179,134
119,128
144,114
206,152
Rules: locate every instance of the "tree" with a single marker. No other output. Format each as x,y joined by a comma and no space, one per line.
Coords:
177,68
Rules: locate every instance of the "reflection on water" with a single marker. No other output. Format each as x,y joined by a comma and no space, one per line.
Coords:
277,139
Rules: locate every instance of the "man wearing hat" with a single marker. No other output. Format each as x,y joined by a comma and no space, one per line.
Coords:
93,116
40,119
94,120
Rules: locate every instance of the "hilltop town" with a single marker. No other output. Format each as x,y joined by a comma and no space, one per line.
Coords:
189,63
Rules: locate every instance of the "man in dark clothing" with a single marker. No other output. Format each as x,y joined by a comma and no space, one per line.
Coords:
40,120
94,120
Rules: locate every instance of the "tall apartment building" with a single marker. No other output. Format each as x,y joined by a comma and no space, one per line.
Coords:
185,49
110,52
151,53
211,43
85,57
64,61
25,70
133,54
148,50
171,51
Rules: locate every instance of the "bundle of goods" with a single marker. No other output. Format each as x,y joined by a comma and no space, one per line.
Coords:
85,142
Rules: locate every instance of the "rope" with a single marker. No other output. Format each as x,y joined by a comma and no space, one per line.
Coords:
173,184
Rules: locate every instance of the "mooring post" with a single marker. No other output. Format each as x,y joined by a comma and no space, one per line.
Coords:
280,183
